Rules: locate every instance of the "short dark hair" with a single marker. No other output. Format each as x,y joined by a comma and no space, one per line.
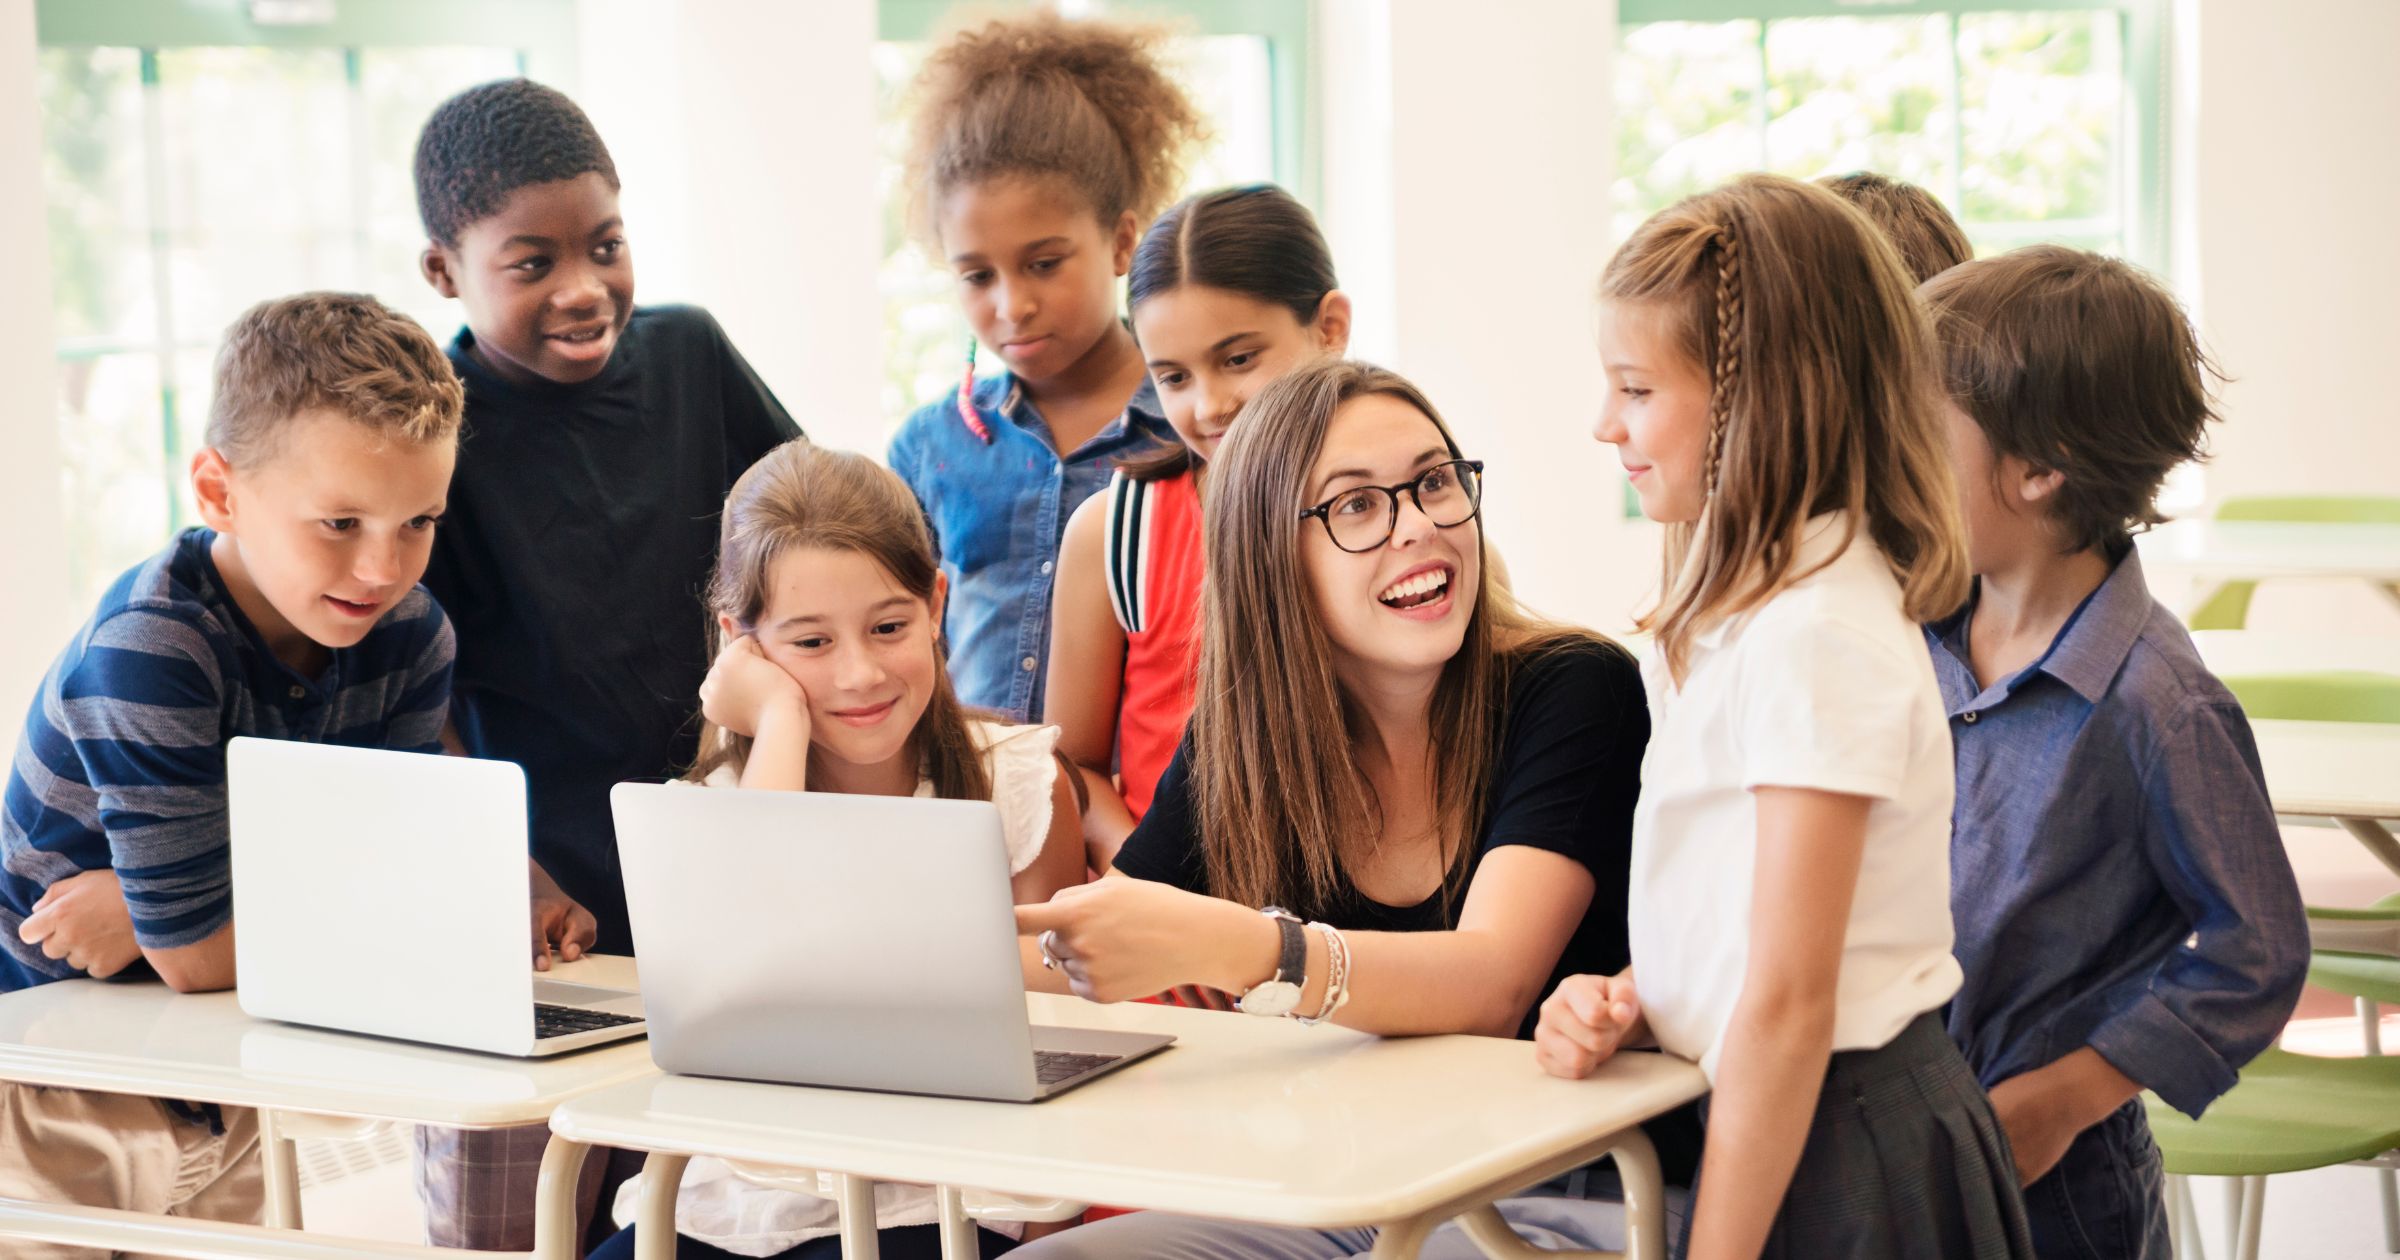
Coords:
1912,219
489,141
2081,364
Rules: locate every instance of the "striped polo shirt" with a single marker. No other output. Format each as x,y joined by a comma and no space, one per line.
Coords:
122,761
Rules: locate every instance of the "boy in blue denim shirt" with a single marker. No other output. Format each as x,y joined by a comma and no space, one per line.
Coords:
2126,916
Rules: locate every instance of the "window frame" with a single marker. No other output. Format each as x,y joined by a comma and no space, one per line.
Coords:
541,33
2144,39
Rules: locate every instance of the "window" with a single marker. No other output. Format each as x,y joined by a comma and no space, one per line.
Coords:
1243,61
195,163
2037,122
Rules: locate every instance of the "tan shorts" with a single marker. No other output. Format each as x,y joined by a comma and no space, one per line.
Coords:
124,1151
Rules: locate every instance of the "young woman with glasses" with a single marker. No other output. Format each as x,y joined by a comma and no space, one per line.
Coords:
1403,804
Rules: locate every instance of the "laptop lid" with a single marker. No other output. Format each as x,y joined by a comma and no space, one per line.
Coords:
817,938
382,892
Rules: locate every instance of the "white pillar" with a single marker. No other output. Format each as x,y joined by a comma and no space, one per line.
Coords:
1476,167
745,133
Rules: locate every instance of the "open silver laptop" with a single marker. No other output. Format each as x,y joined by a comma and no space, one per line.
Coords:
862,942
387,892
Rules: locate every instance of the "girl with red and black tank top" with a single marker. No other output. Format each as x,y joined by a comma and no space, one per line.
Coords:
1228,290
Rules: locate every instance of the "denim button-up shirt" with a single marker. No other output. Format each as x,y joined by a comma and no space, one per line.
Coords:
998,510
2117,878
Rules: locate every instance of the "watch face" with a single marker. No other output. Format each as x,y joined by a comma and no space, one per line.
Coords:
1274,998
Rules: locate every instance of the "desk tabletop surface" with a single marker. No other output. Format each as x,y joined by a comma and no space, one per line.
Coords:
144,1038
2331,769
2232,653
1257,1119
2265,549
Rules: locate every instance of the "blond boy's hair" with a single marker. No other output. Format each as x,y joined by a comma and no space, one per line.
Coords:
341,352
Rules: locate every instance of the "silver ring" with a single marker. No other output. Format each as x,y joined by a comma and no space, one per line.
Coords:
1047,943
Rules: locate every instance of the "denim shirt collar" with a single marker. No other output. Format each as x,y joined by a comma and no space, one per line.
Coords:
2085,656
1003,395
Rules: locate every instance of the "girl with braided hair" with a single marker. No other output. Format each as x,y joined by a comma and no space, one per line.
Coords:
1772,392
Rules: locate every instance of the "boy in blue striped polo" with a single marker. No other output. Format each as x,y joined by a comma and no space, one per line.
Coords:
294,614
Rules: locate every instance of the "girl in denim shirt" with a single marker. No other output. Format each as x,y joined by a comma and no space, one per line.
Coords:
1039,149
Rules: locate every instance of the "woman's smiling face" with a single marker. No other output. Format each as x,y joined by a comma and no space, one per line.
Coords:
1400,609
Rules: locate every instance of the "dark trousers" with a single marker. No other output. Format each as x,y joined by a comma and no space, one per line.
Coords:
2106,1199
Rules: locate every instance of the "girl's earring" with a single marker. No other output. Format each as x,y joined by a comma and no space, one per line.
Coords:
966,398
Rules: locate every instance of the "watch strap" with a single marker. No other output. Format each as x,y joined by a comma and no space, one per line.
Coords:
1291,964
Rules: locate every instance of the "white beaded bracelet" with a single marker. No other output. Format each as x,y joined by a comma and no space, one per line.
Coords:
1337,976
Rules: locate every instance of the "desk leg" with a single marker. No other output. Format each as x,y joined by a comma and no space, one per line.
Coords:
1645,1196
1402,1240
2371,833
958,1232
654,1218
281,1161
556,1227
1645,1212
858,1220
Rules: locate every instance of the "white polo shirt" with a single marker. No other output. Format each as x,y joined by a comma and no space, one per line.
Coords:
1827,686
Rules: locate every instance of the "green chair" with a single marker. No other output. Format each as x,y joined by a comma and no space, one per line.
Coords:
2332,695
2228,606
2290,1113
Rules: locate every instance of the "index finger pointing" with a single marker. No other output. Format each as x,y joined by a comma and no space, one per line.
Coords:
1033,920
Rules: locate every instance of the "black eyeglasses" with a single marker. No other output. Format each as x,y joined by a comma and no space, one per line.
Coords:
1362,518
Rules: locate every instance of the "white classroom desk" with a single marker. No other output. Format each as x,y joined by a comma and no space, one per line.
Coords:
2212,553
144,1038
2346,771
2255,550
1251,1119
2236,653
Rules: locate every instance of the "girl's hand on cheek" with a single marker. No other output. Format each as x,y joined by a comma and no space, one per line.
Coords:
1120,938
743,686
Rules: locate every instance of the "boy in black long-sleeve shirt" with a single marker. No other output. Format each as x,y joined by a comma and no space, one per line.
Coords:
600,441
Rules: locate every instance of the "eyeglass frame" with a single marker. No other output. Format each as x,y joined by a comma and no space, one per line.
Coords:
1323,511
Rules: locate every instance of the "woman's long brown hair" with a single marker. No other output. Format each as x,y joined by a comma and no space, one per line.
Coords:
800,495
1824,398
1280,800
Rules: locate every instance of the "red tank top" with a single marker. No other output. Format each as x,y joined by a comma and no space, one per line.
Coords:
1154,559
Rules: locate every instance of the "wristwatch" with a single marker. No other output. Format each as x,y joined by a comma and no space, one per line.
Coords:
1280,995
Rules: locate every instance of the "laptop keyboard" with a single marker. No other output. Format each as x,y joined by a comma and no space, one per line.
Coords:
566,1021
1052,1066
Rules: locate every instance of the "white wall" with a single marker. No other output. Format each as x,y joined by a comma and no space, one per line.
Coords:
744,132
1475,163
2296,280
34,616
2298,285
